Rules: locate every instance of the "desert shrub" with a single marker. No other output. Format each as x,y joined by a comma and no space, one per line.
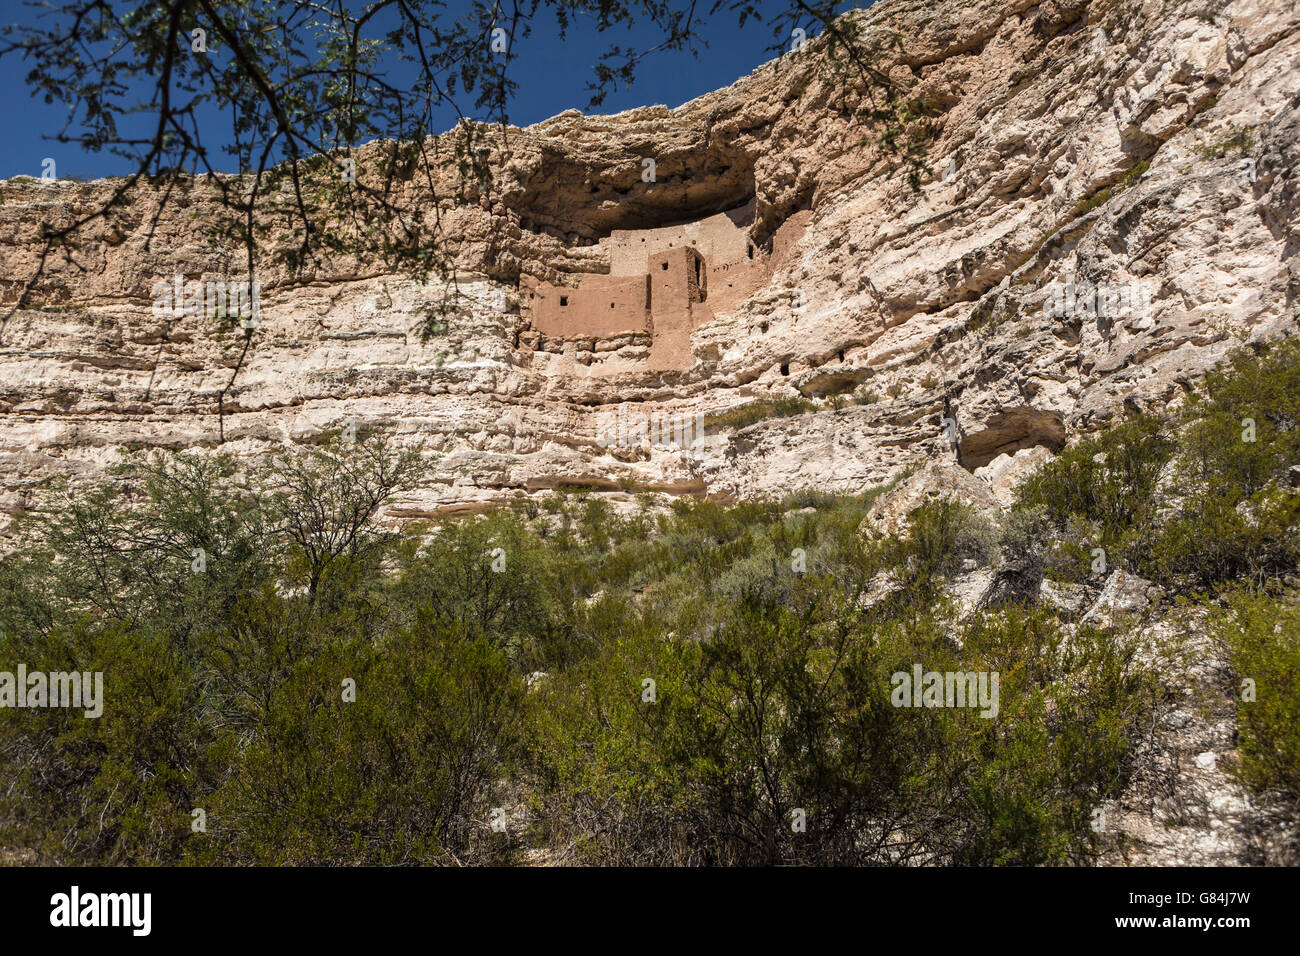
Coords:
736,418
941,534
785,713
112,789
1072,708
493,577
406,773
594,525
1108,483
745,415
1213,541
710,770
27,605
1204,505
790,405
1110,479
1260,384
323,501
1262,634
1237,141
1104,195
1023,533
810,498
1233,517
168,542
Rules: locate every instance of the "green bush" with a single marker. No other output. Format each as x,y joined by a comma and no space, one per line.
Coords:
1204,505
1234,518
781,714
1262,634
941,535
745,415
114,789
488,576
408,772
1110,482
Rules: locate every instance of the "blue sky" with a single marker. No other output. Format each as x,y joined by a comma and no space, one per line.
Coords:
552,76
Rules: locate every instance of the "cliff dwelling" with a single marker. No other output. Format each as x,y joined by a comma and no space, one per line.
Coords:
665,282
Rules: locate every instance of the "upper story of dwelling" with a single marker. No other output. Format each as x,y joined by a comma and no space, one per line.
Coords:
722,239
668,278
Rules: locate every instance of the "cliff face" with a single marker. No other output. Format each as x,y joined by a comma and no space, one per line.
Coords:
1112,201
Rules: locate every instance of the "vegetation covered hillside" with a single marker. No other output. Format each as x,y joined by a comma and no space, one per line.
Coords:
285,681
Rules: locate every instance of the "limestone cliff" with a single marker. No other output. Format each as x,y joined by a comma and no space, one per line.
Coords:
1112,199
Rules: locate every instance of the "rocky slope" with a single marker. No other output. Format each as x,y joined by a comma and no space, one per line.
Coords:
1184,804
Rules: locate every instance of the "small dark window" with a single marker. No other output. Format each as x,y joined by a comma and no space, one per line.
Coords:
751,252
664,266
841,355
785,368
564,300
611,305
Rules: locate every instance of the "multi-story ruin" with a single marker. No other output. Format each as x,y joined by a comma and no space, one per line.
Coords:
664,282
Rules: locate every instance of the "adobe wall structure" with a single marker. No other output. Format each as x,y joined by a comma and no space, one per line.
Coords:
666,281
723,238
599,306
678,292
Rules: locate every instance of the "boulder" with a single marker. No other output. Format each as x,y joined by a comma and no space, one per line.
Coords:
1005,471
1123,593
935,481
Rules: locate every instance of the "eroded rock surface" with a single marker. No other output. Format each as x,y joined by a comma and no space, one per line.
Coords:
1137,160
